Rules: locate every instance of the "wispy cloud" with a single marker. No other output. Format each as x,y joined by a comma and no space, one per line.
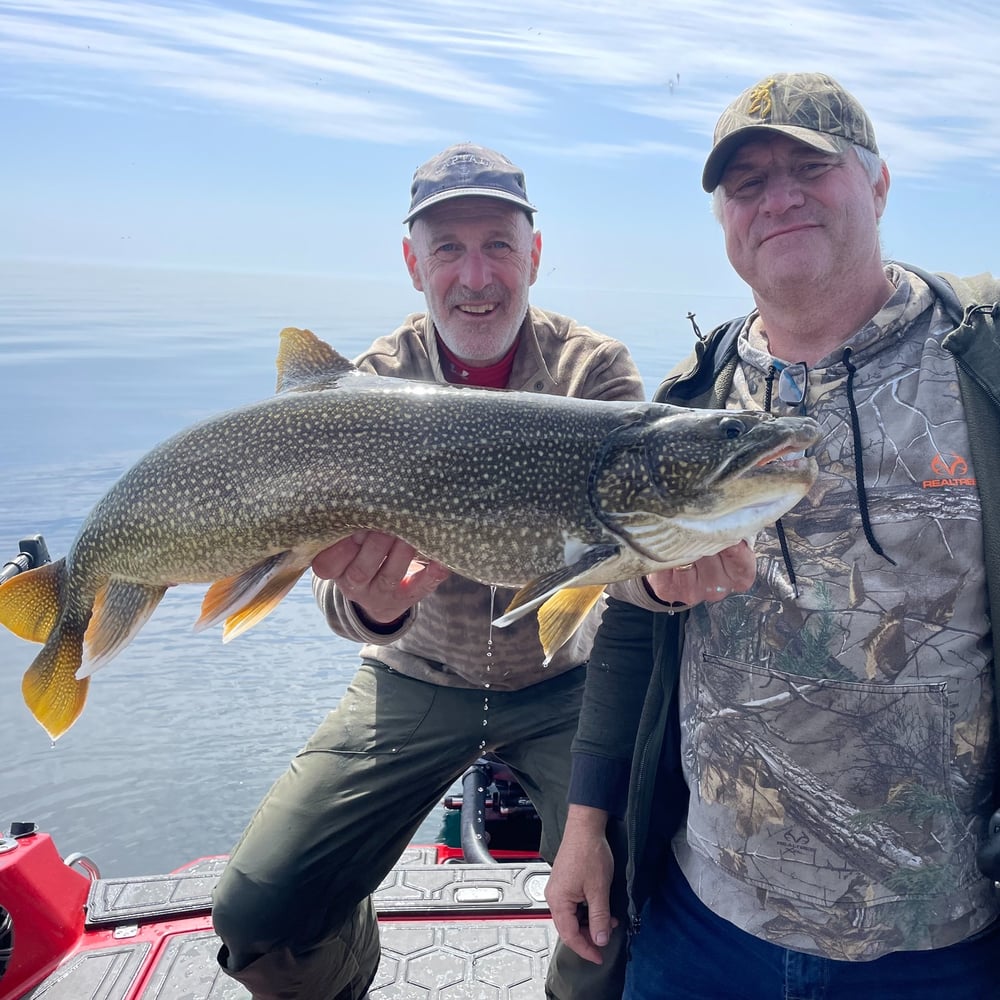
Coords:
647,78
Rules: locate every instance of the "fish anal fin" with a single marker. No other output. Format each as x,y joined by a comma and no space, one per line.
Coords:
560,616
263,604
121,608
539,590
306,362
30,603
50,687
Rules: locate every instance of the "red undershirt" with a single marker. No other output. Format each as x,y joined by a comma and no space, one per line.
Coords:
493,376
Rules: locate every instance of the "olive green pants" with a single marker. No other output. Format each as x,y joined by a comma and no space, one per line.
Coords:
292,907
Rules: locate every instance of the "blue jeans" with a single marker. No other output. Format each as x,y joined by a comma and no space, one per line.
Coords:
683,950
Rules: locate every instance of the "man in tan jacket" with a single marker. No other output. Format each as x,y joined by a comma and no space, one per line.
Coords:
339,819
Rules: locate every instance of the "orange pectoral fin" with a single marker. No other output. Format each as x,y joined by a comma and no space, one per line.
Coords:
30,603
50,688
562,614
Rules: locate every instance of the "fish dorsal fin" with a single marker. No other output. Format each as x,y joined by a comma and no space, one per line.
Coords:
306,362
539,590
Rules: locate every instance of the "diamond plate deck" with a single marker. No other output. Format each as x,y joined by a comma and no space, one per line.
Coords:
449,932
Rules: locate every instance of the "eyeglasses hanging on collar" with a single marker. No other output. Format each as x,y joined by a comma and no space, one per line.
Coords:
792,383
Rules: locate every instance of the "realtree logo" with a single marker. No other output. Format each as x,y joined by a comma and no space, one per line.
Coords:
950,470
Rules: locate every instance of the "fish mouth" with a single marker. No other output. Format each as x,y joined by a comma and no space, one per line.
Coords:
779,457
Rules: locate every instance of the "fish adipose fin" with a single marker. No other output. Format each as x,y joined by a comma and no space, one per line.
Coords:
560,616
121,608
246,599
306,362
30,602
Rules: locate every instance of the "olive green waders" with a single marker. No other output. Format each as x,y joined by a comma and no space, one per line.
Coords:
293,907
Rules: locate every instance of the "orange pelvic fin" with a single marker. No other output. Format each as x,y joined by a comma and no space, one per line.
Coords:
244,600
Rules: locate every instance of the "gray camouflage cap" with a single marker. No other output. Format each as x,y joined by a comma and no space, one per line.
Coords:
810,107
464,170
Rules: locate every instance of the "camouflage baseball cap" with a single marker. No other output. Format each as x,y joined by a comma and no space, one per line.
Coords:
810,107
463,170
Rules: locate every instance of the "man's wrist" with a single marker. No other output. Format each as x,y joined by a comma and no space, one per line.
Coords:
672,605
587,819
379,628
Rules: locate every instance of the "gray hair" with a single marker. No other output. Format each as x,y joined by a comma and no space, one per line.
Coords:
872,163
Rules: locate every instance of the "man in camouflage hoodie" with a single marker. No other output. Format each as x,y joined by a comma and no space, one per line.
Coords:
810,764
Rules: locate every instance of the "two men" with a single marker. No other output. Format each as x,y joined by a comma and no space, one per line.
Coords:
810,763
293,907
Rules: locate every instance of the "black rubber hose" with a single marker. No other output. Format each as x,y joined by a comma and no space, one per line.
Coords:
6,940
473,816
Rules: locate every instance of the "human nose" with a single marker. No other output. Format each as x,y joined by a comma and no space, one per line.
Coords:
782,191
475,270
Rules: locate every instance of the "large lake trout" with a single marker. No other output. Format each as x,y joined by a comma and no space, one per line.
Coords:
556,496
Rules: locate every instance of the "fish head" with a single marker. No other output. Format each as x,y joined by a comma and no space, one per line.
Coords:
689,483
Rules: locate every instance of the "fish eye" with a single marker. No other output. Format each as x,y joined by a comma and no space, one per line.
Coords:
732,427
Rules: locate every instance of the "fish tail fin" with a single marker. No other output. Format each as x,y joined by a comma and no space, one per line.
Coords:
562,614
50,688
120,610
245,599
31,602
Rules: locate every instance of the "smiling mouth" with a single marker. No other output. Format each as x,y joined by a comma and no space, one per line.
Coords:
787,232
476,309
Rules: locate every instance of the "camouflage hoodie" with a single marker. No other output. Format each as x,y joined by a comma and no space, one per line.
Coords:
448,638
837,726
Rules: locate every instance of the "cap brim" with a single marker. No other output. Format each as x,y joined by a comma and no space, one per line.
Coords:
466,192
715,165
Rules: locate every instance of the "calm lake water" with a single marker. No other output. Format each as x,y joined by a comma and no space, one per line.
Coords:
181,735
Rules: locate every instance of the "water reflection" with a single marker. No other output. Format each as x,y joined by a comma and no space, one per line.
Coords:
181,735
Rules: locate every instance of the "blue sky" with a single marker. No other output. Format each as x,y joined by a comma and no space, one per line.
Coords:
281,136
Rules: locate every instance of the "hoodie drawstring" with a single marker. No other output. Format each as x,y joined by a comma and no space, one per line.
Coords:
779,528
859,467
